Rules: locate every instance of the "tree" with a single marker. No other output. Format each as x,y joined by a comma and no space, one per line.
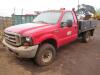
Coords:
97,15
87,10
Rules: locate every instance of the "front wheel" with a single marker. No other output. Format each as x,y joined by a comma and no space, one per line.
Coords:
45,55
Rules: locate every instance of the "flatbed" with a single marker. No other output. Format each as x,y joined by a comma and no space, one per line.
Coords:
85,25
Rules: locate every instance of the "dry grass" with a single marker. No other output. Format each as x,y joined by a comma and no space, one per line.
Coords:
2,27
1,35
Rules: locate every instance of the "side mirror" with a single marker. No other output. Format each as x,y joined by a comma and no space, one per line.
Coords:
69,23
63,24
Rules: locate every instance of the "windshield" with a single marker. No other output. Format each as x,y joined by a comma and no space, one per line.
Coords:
48,17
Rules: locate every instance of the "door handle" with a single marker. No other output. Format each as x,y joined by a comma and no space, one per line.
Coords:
75,27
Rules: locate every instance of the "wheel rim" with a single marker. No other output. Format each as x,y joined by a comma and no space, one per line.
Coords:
47,56
88,38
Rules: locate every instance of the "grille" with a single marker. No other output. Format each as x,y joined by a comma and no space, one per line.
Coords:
12,38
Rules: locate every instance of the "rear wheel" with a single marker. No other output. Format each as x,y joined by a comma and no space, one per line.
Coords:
45,55
86,37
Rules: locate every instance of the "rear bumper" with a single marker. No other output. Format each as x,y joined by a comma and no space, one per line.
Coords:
22,51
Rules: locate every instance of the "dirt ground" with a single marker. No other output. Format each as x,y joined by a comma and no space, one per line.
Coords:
74,59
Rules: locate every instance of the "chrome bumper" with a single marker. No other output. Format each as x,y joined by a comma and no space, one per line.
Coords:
22,51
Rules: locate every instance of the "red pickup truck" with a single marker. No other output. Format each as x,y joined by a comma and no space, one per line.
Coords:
49,31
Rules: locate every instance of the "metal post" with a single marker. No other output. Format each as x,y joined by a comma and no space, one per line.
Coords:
22,12
14,10
22,15
14,16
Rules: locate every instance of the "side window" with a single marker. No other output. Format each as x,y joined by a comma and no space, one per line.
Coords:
67,16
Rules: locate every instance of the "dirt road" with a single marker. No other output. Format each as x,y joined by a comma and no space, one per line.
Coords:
74,59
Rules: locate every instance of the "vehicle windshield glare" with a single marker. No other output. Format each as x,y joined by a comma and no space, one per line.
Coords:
48,17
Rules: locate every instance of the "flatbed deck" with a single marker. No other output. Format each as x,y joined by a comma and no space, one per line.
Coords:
85,25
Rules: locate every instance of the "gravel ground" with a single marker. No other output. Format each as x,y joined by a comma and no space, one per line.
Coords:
74,59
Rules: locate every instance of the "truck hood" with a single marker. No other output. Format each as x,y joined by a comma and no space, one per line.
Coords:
27,28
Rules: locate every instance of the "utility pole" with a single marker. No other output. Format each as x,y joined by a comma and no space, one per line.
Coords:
13,20
14,10
22,12
78,5
22,15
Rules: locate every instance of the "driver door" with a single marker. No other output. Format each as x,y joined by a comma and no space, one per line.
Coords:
67,33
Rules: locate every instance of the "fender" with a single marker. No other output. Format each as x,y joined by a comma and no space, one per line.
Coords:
45,37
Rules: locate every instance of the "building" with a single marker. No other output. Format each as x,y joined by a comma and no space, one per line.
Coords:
21,19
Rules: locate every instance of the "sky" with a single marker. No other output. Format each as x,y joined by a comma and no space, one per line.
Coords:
29,6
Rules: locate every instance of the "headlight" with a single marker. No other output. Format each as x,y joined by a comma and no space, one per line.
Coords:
28,39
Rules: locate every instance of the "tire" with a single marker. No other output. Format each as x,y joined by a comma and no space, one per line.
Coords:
45,55
86,37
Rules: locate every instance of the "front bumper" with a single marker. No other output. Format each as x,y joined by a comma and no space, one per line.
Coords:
22,51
